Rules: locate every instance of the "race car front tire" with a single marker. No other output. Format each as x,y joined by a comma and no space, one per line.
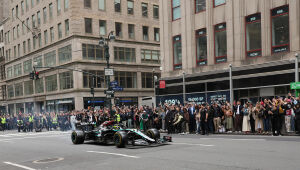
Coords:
77,137
120,139
153,133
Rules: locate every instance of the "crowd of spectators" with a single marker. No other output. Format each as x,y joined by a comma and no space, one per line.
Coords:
276,116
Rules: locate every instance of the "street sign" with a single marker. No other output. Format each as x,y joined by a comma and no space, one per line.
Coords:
109,92
109,71
118,88
295,85
113,83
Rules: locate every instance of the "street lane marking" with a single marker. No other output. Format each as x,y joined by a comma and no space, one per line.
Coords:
18,165
10,139
117,154
193,144
32,134
249,139
49,160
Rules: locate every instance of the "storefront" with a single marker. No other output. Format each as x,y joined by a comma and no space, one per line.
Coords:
60,105
126,101
99,102
250,83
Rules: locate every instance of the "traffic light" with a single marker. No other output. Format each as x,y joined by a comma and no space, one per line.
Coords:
37,75
31,75
92,90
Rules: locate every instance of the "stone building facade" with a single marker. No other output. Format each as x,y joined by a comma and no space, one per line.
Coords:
201,38
66,33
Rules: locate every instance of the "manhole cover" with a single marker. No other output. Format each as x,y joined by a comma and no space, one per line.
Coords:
48,160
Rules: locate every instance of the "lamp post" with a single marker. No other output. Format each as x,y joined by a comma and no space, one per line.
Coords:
231,84
296,73
154,82
183,87
104,43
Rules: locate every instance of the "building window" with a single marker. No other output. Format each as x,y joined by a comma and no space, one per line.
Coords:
45,14
220,43
18,31
59,31
22,7
38,61
39,86
201,45
156,34
253,35
126,79
92,52
10,91
98,82
13,14
15,51
118,27
124,54
29,45
66,80
148,80
150,56
177,52
27,24
51,83
88,25
19,50
50,59
18,70
65,54
66,4
176,10
101,4
45,37
102,27
131,31
18,89
38,18
87,4
145,33
67,28
40,40
51,34
28,87
51,11
280,29
27,66
9,72
144,9
17,11
117,5
24,47
32,3
219,2
58,6
155,11
130,6
33,21
200,5
27,5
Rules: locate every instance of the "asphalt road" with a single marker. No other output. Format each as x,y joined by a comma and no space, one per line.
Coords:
54,150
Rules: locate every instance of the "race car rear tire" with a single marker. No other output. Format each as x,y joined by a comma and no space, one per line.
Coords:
77,137
120,139
153,133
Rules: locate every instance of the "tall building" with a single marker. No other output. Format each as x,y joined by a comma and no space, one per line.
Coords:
4,9
201,38
2,71
66,33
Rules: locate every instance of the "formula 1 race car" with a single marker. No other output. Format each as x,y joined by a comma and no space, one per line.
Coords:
110,132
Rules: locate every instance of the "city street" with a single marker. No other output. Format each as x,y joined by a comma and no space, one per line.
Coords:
54,150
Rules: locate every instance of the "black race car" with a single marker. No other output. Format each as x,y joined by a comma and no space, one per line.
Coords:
110,132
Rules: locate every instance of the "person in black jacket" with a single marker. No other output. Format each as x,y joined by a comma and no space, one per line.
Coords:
297,114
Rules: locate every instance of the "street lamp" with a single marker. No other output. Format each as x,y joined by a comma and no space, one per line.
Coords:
231,84
104,43
183,87
296,67
155,78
